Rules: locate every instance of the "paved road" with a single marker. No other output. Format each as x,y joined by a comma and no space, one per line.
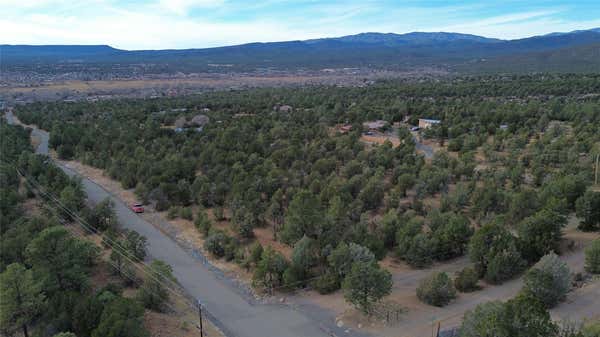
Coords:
234,314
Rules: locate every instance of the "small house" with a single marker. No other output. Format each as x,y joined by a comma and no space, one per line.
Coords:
283,108
200,120
197,122
180,123
425,123
345,128
375,125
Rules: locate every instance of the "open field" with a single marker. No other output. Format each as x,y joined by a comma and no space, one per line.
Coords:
182,85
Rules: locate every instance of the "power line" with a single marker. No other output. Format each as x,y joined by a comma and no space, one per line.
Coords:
119,249
112,244
113,264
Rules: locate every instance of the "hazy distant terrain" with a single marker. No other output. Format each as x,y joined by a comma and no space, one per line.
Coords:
577,51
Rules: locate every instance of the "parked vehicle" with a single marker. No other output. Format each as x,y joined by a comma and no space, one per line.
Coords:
137,208
415,128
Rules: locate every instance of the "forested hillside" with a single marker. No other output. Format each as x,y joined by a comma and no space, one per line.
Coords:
66,268
375,51
515,158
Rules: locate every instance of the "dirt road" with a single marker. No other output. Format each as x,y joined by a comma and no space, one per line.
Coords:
418,321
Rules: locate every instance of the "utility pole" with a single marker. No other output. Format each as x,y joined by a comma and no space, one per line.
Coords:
200,317
596,170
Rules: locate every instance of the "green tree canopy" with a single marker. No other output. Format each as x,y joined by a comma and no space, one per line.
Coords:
519,317
304,217
592,257
22,298
548,281
365,285
63,260
588,209
154,292
540,234
123,317
436,289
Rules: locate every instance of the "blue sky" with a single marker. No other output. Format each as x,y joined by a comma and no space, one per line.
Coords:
159,24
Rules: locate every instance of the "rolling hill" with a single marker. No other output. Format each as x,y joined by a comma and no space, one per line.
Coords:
563,52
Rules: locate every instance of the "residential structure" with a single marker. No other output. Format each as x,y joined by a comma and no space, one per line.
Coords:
375,125
425,123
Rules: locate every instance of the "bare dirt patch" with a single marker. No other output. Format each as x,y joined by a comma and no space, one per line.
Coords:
97,175
265,237
380,139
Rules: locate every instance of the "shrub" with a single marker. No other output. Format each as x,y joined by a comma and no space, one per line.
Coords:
269,270
240,255
591,329
219,213
418,254
344,255
246,230
504,265
304,256
588,209
437,289
493,250
327,283
466,280
174,212
548,281
186,213
256,252
366,284
519,317
540,234
230,249
592,257
292,278
153,293
202,222
215,244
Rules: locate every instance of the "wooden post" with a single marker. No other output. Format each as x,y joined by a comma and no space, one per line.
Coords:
438,330
200,317
596,170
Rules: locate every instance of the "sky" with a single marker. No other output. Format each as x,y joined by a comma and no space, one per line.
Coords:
166,24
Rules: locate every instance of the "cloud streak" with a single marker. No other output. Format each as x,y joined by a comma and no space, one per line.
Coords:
158,24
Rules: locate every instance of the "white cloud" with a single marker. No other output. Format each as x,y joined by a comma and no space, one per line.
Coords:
520,25
179,24
131,30
25,3
181,7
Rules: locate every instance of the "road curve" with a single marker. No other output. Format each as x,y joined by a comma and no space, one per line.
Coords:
231,311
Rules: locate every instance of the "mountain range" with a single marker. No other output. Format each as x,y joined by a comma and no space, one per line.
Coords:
577,51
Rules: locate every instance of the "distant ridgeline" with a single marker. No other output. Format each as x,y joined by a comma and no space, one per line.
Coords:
577,51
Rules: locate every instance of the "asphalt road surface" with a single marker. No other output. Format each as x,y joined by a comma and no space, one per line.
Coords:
234,314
